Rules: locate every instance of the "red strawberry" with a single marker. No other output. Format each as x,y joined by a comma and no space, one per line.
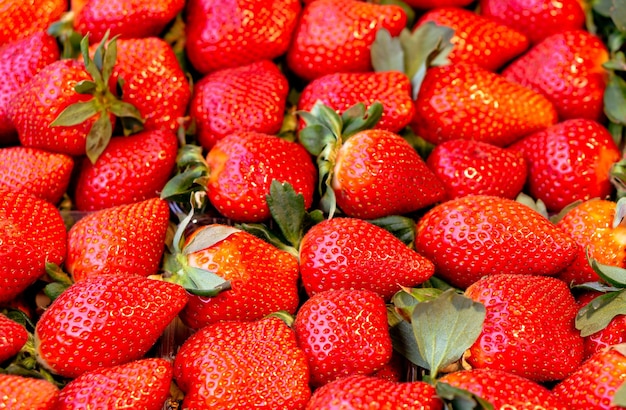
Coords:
232,100
14,337
614,333
529,327
131,169
350,253
243,365
43,174
23,18
124,239
32,233
468,167
477,39
222,35
360,392
569,161
431,4
141,384
243,166
343,332
479,235
469,102
336,36
567,69
27,393
104,321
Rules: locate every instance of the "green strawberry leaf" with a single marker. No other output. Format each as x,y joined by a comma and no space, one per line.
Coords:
401,227
85,87
387,53
402,337
405,300
181,186
595,286
202,282
612,275
615,99
90,65
208,237
125,110
314,137
287,209
98,137
76,114
538,205
619,399
357,118
460,399
597,314
618,14
261,231
620,213
557,217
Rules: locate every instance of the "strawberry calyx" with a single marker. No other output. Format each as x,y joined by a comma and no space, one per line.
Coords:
192,175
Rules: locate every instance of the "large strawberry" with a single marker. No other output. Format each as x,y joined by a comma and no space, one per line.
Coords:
104,321
236,33
243,365
14,336
23,18
27,393
478,235
231,100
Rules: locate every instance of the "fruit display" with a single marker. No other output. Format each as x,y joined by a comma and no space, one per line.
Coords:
313,204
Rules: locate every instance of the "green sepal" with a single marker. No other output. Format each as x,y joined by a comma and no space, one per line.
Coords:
401,227
85,87
57,274
358,118
612,275
387,53
456,398
125,110
536,205
595,286
181,186
402,337
53,290
285,316
405,300
98,137
70,39
620,213
202,282
597,314
287,209
76,113
615,99
208,237
315,137
90,65
263,232
557,217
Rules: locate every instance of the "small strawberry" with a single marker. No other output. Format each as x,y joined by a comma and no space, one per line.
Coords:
224,35
104,321
243,365
614,333
482,235
231,100
23,18
27,393
14,337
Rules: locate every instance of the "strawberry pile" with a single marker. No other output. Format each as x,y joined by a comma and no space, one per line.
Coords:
318,204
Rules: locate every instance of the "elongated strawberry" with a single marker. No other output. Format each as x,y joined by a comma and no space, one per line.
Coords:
13,338
479,235
27,393
104,321
23,18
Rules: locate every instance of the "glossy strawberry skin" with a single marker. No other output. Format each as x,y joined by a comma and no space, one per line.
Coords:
23,18
477,39
14,336
104,321
237,33
473,236
246,98
341,91
469,102
614,333
567,69
259,361
243,166
336,36
350,253
141,384
569,161
27,393
131,169
520,312
124,239
469,167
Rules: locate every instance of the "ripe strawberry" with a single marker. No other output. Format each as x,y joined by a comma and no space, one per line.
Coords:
45,175
32,233
537,19
529,328
140,384
131,169
336,36
14,337
27,393
614,333
567,69
477,39
569,161
481,235
23,18
594,383
243,165
121,240
469,102
468,167
243,365
223,35
104,321
246,98
360,392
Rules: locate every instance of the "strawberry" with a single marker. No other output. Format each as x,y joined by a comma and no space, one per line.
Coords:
243,365
431,4
469,167
614,333
537,19
350,253
231,100
243,166
32,233
569,161
140,384
343,332
477,39
23,18
14,337
124,239
469,102
103,321
567,69
336,36
131,169
45,175
27,393
224,35
481,235
594,384
361,392
520,312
